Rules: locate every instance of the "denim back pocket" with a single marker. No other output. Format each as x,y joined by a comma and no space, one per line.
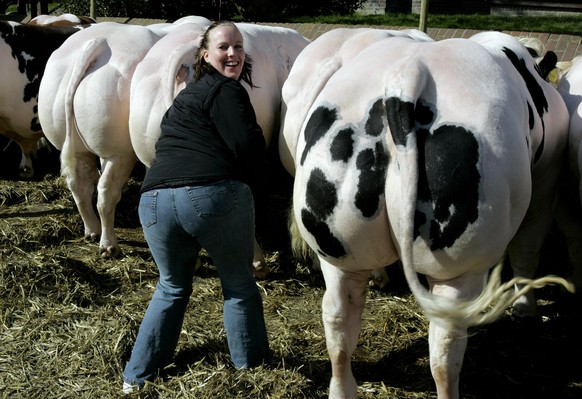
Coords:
147,209
213,200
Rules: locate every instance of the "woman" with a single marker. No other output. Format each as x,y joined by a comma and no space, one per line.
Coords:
197,195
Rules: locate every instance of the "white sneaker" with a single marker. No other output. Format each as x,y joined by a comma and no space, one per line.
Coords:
128,388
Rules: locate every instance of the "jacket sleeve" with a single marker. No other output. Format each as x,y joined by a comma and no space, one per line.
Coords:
233,115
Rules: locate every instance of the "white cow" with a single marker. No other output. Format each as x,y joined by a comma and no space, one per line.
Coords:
84,111
569,214
427,152
24,51
167,68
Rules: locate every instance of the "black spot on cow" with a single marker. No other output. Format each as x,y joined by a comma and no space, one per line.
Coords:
372,164
328,244
342,146
35,123
321,199
423,115
319,123
547,64
531,118
535,90
449,180
321,194
375,123
400,119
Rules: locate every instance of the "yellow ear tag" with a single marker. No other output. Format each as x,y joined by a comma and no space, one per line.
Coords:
553,76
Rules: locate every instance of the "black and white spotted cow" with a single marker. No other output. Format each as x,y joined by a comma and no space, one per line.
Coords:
24,51
301,86
428,152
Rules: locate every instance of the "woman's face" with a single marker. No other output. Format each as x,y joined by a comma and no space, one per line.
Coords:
225,51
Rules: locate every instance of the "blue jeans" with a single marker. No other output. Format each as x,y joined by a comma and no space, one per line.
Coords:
177,223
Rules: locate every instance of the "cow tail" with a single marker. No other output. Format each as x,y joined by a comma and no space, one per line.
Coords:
181,61
497,296
82,63
401,122
299,246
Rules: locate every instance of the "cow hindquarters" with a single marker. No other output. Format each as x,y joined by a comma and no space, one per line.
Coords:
447,343
342,307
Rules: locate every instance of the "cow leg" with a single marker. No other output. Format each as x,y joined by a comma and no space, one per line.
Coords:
114,174
378,277
25,167
524,248
447,343
342,306
569,221
81,181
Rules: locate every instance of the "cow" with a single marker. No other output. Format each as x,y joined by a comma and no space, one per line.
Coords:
523,250
428,152
24,51
344,44
65,19
569,213
83,108
167,68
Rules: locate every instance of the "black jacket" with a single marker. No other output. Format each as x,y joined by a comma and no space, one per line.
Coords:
209,133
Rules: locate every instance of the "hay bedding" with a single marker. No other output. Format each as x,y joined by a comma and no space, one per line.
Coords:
68,320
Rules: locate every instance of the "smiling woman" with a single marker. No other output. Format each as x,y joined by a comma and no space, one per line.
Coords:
211,126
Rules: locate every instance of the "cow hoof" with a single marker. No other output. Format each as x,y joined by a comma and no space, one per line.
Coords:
524,312
379,279
260,270
378,283
110,252
26,173
198,265
92,237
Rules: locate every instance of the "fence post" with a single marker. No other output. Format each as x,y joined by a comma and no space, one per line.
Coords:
423,15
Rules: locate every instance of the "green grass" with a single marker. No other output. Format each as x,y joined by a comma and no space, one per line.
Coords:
550,24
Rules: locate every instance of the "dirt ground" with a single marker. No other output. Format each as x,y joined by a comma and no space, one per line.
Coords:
68,318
